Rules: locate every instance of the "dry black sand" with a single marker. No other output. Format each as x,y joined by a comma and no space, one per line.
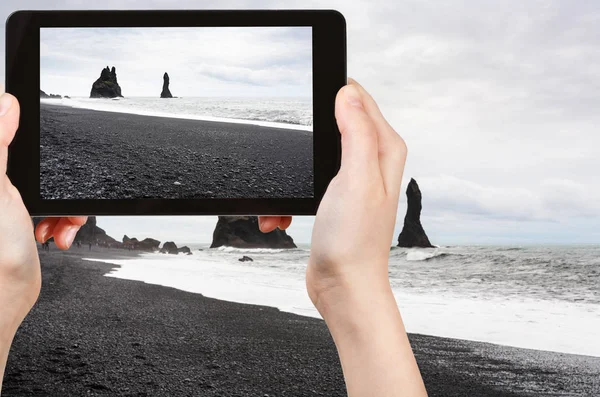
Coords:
92,154
95,335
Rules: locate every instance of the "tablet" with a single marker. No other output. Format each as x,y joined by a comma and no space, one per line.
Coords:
175,112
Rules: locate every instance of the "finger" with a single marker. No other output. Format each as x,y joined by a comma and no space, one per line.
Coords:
9,122
391,147
78,220
45,229
64,233
359,136
285,222
267,224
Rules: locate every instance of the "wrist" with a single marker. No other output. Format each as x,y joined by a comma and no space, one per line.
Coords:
350,302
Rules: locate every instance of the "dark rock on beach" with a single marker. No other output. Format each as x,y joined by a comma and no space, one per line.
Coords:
166,93
90,233
147,244
246,259
184,250
106,86
169,248
50,96
243,232
413,234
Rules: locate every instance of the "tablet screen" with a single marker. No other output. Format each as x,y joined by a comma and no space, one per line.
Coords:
176,113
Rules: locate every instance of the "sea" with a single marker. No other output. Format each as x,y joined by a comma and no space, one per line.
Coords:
534,297
280,112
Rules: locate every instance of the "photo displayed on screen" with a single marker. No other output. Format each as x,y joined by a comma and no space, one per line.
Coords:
176,113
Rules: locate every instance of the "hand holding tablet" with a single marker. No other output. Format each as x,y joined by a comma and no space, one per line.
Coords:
175,112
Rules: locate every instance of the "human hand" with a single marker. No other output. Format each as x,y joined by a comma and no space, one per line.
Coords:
347,274
20,278
353,229
354,226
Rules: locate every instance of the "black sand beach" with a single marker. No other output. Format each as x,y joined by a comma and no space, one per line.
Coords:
92,154
95,335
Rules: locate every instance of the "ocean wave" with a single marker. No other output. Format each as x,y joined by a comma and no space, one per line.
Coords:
250,250
290,114
424,254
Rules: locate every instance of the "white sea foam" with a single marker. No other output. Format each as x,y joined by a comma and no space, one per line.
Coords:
285,113
249,250
507,300
422,254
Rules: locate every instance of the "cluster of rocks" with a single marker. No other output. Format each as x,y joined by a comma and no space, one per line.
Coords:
171,248
147,244
107,86
52,96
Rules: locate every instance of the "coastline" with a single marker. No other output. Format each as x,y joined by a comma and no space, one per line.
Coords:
89,154
97,335
183,116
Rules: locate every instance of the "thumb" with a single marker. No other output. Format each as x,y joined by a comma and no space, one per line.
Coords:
359,136
9,122
9,118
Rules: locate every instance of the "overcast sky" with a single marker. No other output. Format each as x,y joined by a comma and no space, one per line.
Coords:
498,103
235,61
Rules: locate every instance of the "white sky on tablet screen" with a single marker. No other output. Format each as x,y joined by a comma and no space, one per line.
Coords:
498,103
231,62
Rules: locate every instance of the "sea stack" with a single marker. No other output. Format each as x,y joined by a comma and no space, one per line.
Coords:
412,234
106,86
243,232
165,91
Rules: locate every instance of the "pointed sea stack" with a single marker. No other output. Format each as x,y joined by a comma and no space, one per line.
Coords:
165,91
106,86
413,234
243,232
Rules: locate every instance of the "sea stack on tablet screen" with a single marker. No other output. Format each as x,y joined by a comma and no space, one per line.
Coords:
175,112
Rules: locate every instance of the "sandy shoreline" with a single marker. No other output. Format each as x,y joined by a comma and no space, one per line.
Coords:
98,335
97,154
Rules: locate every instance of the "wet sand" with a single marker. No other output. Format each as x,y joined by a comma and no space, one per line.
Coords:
88,154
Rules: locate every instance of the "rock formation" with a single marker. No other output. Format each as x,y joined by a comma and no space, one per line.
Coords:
106,86
243,232
52,96
90,233
184,250
165,91
147,244
412,234
169,248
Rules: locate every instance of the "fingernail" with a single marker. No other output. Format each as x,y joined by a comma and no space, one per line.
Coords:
5,104
353,96
70,234
45,234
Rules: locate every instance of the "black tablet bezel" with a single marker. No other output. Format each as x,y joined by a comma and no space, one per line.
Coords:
23,81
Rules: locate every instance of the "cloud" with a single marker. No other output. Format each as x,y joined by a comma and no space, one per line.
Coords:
497,102
550,200
256,61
